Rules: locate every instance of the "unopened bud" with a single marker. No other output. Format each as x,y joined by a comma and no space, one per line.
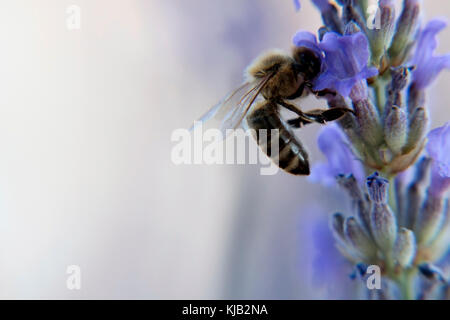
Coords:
330,17
405,247
404,32
383,225
395,129
359,239
417,130
416,98
337,226
394,89
368,122
359,199
382,221
380,36
416,191
351,15
430,219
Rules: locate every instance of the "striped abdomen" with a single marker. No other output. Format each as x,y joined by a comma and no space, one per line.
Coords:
291,157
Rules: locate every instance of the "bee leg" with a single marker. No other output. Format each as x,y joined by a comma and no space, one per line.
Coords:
323,116
323,93
303,117
293,109
298,122
320,116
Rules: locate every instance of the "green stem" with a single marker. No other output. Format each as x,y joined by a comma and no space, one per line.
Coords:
379,95
406,283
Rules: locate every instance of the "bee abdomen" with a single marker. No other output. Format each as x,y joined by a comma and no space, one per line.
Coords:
291,156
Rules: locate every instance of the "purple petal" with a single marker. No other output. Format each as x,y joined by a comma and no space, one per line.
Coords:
438,148
297,5
345,62
340,158
308,40
304,36
427,65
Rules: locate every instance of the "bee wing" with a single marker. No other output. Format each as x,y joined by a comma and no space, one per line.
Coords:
230,111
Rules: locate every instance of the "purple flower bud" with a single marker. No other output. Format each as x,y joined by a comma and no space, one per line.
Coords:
367,118
346,60
405,247
337,227
400,183
359,240
348,122
359,91
395,129
360,200
415,192
340,158
418,125
415,98
404,32
382,220
380,36
297,5
430,219
438,148
330,15
350,14
378,188
398,83
427,65
350,184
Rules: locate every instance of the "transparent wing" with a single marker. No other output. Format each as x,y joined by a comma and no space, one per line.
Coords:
230,111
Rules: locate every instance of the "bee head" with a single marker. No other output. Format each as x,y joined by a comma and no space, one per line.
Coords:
307,63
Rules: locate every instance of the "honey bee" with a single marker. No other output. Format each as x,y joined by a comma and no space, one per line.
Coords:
270,80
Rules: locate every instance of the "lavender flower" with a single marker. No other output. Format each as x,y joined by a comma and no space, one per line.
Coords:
386,240
346,60
404,230
340,158
428,66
